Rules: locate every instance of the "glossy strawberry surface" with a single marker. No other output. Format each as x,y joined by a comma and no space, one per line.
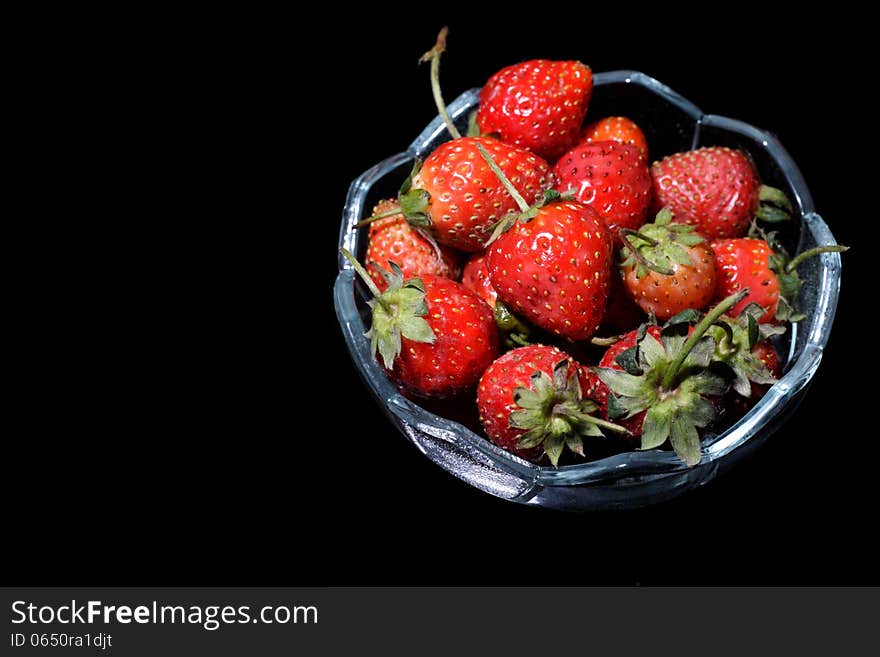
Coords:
554,270
610,177
465,342
745,263
539,105
392,239
466,198
715,189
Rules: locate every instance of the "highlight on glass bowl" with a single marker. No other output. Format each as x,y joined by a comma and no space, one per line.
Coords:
577,290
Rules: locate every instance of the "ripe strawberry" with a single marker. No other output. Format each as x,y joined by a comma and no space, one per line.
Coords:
539,105
742,345
767,360
664,389
717,190
766,353
475,277
610,177
435,336
393,239
531,404
667,268
616,128
744,262
763,266
554,270
512,331
457,196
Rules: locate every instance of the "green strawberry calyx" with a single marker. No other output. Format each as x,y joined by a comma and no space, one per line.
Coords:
734,341
398,312
554,414
658,245
412,202
671,380
514,332
527,212
773,205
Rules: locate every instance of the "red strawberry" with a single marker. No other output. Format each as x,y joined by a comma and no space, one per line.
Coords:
667,268
744,262
764,267
531,404
435,336
392,239
554,270
717,190
616,128
539,105
743,346
764,360
512,331
460,199
766,353
475,277
610,177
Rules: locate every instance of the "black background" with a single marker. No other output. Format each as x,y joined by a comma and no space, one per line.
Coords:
169,441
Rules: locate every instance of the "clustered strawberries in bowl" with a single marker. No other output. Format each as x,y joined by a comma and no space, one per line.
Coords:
556,320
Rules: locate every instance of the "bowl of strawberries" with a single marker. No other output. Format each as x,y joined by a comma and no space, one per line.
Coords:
560,321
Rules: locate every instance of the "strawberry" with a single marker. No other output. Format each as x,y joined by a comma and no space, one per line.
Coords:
763,266
551,263
616,128
767,354
763,353
530,403
458,198
555,270
475,277
393,239
717,190
513,332
744,262
435,336
742,345
667,268
665,387
610,177
538,105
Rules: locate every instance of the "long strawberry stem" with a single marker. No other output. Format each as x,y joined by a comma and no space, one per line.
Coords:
699,330
433,55
359,268
388,213
599,422
520,201
806,255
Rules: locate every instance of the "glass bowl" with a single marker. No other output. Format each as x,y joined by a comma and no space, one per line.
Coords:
632,479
